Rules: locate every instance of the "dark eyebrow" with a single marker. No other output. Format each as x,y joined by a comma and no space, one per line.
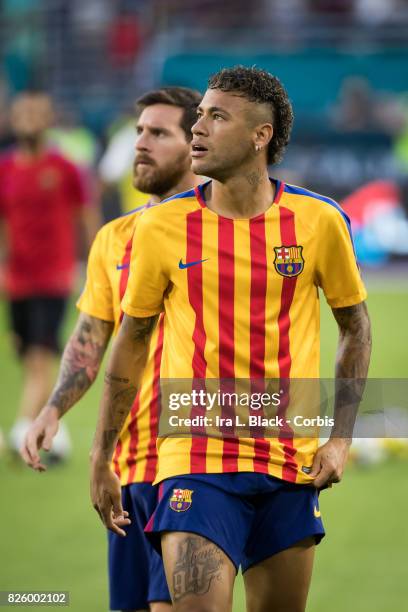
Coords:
156,128
215,109
153,128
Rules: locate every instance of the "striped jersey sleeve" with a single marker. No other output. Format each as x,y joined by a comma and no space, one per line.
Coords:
337,271
148,279
97,298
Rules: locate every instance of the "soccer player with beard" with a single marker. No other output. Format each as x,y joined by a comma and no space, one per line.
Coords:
237,274
161,168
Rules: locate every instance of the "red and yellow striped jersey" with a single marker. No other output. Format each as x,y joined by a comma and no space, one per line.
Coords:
241,300
135,458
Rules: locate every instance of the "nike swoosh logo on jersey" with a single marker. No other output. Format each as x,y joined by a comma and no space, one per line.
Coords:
122,266
183,266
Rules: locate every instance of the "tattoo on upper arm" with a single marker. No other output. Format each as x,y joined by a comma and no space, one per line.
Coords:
354,349
81,360
140,329
198,563
354,320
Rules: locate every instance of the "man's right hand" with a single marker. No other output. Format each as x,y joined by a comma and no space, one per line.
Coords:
106,497
40,435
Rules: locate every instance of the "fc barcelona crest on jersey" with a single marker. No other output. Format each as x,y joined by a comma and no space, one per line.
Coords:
289,260
181,500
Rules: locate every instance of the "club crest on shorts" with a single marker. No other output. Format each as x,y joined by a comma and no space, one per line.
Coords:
181,500
289,260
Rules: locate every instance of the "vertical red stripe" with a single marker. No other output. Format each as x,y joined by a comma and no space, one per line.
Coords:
258,297
199,365
199,197
116,457
288,237
150,523
154,408
226,286
124,276
280,188
257,330
195,290
134,439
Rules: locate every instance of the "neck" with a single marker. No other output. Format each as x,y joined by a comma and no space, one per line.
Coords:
246,195
30,148
187,181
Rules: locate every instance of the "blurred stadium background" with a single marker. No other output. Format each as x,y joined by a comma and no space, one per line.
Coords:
345,65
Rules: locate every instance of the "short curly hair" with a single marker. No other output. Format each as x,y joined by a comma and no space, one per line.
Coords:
257,85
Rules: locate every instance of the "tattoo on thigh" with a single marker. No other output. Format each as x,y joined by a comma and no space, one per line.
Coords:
198,563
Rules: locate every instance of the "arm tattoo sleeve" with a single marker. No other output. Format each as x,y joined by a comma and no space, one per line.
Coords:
352,361
126,364
140,329
80,361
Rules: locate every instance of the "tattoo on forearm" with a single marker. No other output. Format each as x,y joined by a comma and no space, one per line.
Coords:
119,403
198,563
125,398
80,361
354,320
108,439
352,361
128,356
111,378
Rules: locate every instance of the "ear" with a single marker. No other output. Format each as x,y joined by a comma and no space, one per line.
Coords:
262,136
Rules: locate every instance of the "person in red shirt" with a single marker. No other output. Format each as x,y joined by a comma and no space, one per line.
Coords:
42,198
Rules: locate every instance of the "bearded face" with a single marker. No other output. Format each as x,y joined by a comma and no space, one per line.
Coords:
162,150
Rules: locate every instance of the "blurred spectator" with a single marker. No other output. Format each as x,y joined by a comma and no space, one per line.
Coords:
361,109
284,16
79,145
401,140
6,137
41,199
331,7
379,225
92,16
377,12
22,42
73,140
125,40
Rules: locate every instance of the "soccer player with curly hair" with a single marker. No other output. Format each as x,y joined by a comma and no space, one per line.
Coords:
236,264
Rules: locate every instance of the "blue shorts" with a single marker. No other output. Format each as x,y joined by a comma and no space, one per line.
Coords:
136,573
249,516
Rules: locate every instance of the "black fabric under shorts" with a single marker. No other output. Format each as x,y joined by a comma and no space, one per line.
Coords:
36,321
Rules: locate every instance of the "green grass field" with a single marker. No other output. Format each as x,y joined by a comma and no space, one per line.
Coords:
52,539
